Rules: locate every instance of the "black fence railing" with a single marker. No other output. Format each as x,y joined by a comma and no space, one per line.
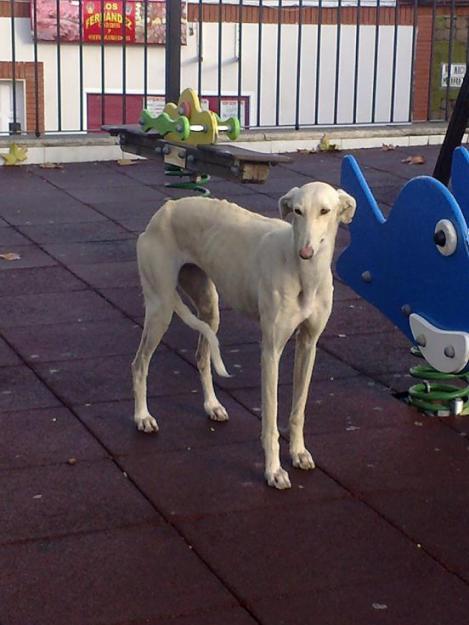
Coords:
74,65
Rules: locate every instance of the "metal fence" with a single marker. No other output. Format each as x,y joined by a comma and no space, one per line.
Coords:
74,65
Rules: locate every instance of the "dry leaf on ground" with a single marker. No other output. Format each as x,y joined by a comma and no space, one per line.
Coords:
325,145
125,161
414,160
10,256
386,147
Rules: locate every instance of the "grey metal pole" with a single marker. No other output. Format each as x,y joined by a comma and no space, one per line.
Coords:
173,50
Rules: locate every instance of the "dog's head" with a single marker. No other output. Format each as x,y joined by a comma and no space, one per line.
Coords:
317,210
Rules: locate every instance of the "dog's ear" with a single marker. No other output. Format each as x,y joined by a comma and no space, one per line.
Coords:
347,206
285,204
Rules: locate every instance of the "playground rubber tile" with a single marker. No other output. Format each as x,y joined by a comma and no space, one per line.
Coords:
22,390
43,308
11,237
391,162
257,202
226,479
435,518
220,188
357,317
108,275
235,616
281,184
395,458
438,598
372,354
74,233
243,363
74,177
182,421
131,193
8,357
398,382
319,166
333,545
93,252
46,436
235,328
121,210
343,405
38,280
30,257
148,172
343,292
63,499
70,341
56,207
129,300
109,379
137,575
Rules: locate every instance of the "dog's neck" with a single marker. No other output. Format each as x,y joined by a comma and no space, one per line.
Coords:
315,272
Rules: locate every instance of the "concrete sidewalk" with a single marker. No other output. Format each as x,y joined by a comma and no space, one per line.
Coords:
102,525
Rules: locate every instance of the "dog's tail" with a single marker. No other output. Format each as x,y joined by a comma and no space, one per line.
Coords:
197,324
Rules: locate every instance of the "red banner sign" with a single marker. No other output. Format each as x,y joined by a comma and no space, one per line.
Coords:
109,24
103,21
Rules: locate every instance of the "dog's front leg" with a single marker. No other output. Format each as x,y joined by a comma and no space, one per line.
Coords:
275,475
305,354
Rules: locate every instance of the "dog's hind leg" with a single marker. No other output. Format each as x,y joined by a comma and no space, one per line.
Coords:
201,290
157,319
159,280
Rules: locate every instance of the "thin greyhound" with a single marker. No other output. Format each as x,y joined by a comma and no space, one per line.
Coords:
275,271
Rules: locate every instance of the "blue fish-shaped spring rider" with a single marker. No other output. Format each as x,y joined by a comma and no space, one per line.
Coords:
414,266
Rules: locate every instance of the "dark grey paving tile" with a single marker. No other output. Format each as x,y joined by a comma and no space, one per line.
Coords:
109,379
108,275
93,252
151,571
129,300
44,308
53,207
22,390
44,436
8,357
75,232
337,544
439,598
30,256
38,280
42,502
69,341
11,237
226,479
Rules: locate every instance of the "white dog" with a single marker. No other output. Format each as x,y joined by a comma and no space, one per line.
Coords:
278,272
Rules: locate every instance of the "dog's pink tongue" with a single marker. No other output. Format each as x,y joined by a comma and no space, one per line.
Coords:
306,252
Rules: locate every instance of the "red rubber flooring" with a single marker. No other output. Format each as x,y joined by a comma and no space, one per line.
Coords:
102,525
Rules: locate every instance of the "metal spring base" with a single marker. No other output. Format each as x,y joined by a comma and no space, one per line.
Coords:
435,397
196,183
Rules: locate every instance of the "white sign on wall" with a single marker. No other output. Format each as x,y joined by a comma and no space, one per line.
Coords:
229,108
457,74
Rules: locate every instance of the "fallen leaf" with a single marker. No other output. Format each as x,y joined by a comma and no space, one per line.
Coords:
10,256
414,160
326,146
51,166
15,155
123,162
72,461
386,147
379,606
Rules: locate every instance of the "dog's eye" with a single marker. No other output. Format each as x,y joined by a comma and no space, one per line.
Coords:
324,211
298,212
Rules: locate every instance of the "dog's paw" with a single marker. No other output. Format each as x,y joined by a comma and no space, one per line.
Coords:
216,412
146,424
303,460
278,479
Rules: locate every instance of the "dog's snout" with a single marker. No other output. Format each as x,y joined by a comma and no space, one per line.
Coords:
306,252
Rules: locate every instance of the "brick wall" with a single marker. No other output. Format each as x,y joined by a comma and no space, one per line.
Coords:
25,71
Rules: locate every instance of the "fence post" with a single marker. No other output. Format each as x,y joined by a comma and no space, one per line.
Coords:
454,134
173,50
